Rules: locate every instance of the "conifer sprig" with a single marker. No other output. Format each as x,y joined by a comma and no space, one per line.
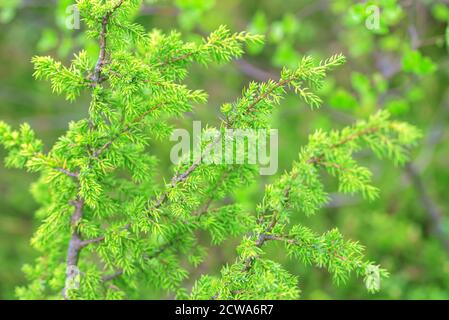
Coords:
258,101
301,190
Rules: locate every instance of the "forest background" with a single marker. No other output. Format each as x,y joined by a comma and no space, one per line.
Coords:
400,63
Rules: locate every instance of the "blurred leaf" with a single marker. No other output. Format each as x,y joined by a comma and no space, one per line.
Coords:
192,11
343,100
8,10
277,32
285,55
48,40
259,24
440,11
290,24
7,14
397,107
415,62
360,83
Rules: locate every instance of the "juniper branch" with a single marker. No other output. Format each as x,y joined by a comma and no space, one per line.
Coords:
76,243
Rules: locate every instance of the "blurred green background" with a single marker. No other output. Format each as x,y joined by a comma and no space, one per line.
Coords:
398,59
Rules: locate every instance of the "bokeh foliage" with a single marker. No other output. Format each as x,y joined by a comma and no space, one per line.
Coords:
402,66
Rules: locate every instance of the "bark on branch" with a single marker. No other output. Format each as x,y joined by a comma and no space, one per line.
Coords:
73,252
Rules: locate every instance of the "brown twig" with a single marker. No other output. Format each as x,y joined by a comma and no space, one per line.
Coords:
68,173
76,243
113,276
96,78
91,241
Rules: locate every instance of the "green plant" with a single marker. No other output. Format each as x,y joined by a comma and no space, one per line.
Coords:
109,230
